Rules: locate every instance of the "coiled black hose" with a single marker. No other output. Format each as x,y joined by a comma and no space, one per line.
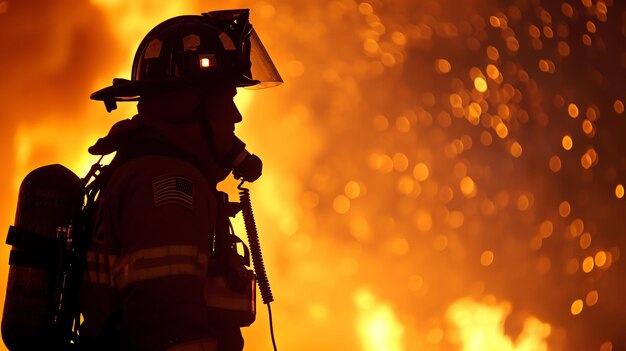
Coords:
255,245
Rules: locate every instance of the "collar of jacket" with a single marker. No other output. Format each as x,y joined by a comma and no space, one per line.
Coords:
145,135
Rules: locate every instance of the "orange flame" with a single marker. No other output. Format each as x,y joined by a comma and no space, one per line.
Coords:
377,324
480,327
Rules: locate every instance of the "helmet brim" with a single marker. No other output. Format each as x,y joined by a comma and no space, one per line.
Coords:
130,90
121,90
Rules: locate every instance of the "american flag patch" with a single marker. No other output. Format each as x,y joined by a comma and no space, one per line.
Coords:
172,190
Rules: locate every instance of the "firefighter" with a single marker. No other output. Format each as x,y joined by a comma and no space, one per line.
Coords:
145,285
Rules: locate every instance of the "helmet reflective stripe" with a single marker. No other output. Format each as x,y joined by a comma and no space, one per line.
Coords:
191,42
227,42
154,49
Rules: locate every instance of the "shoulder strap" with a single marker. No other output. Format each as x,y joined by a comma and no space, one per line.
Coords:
147,147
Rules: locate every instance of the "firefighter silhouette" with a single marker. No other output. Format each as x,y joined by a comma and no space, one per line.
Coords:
146,285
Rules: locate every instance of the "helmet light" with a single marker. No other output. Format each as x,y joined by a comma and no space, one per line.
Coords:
207,61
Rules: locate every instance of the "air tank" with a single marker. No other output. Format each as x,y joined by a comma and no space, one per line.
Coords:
49,198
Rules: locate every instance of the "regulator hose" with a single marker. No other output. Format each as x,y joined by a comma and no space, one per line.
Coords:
255,245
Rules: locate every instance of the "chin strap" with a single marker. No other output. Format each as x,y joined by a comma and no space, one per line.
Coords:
110,104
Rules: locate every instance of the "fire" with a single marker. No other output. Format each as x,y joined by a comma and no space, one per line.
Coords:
480,327
377,324
46,141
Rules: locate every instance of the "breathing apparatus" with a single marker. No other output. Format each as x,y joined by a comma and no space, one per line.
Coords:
212,51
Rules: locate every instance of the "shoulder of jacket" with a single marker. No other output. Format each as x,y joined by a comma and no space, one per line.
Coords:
146,168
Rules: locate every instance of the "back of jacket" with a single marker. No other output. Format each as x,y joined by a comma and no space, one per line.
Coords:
149,255
147,263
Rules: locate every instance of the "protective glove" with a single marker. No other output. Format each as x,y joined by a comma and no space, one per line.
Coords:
249,169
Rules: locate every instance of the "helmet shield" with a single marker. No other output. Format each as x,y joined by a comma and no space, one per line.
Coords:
255,64
262,68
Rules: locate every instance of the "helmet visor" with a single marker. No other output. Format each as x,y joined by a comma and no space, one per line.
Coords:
262,68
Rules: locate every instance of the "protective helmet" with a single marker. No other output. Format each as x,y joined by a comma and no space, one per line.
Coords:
212,50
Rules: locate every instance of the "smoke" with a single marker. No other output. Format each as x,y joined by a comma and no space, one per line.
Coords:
52,52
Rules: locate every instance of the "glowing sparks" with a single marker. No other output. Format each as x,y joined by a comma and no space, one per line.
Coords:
600,258
591,298
407,185
606,346
618,106
567,142
403,124
565,209
468,187
341,204
576,307
572,110
456,101
474,113
398,38
366,8
486,258
547,66
589,159
480,84
502,130
492,53
352,189
516,149
588,264
494,21
567,9
443,66
555,163
493,72
421,172
588,127
563,48
576,228
546,229
585,241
